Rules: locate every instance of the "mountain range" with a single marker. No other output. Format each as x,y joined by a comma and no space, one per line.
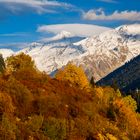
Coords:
98,55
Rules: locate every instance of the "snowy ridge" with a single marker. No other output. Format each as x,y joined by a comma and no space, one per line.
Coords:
60,36
6,52
130,29
110,50
99,55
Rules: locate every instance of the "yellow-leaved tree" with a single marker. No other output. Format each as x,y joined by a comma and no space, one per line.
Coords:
18,62
75,75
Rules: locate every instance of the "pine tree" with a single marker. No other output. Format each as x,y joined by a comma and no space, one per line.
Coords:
115,85
2,64
92,82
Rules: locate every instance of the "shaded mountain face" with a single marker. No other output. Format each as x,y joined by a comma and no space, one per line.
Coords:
98,55
126,77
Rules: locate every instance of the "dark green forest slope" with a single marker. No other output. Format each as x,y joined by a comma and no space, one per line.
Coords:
127,77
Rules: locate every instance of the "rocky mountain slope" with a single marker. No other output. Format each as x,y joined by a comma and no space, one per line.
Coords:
98,55
52,53
109,50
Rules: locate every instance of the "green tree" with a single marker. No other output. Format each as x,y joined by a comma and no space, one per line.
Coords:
92,82
2,64
115,85
55,129
35,122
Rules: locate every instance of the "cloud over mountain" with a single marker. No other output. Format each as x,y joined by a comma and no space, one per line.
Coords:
75,29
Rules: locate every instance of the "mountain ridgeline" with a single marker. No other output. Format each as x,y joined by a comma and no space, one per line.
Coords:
98,55
127,77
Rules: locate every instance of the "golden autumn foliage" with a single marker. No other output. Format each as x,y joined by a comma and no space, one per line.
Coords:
128,120
14,63
129,101
6,104
34,106
73,74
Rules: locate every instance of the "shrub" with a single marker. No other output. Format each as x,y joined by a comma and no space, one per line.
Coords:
55,129
35,122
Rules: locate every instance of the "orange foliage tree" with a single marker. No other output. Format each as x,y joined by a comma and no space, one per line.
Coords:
75,75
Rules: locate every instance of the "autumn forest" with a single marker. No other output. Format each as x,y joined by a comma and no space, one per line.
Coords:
35,106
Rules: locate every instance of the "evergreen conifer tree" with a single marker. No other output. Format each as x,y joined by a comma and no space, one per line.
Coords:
2,64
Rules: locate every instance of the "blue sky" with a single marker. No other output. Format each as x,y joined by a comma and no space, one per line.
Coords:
20,19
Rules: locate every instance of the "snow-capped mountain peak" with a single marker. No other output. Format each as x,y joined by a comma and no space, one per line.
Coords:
61,37
99,54
110,50
63,34
133,29
6,52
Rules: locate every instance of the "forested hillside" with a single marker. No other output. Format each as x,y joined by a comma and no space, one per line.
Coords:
126,77
34,106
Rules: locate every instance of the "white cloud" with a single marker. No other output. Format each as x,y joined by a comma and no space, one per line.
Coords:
75,29
38,6
15,34
99,14
108,1
14,45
